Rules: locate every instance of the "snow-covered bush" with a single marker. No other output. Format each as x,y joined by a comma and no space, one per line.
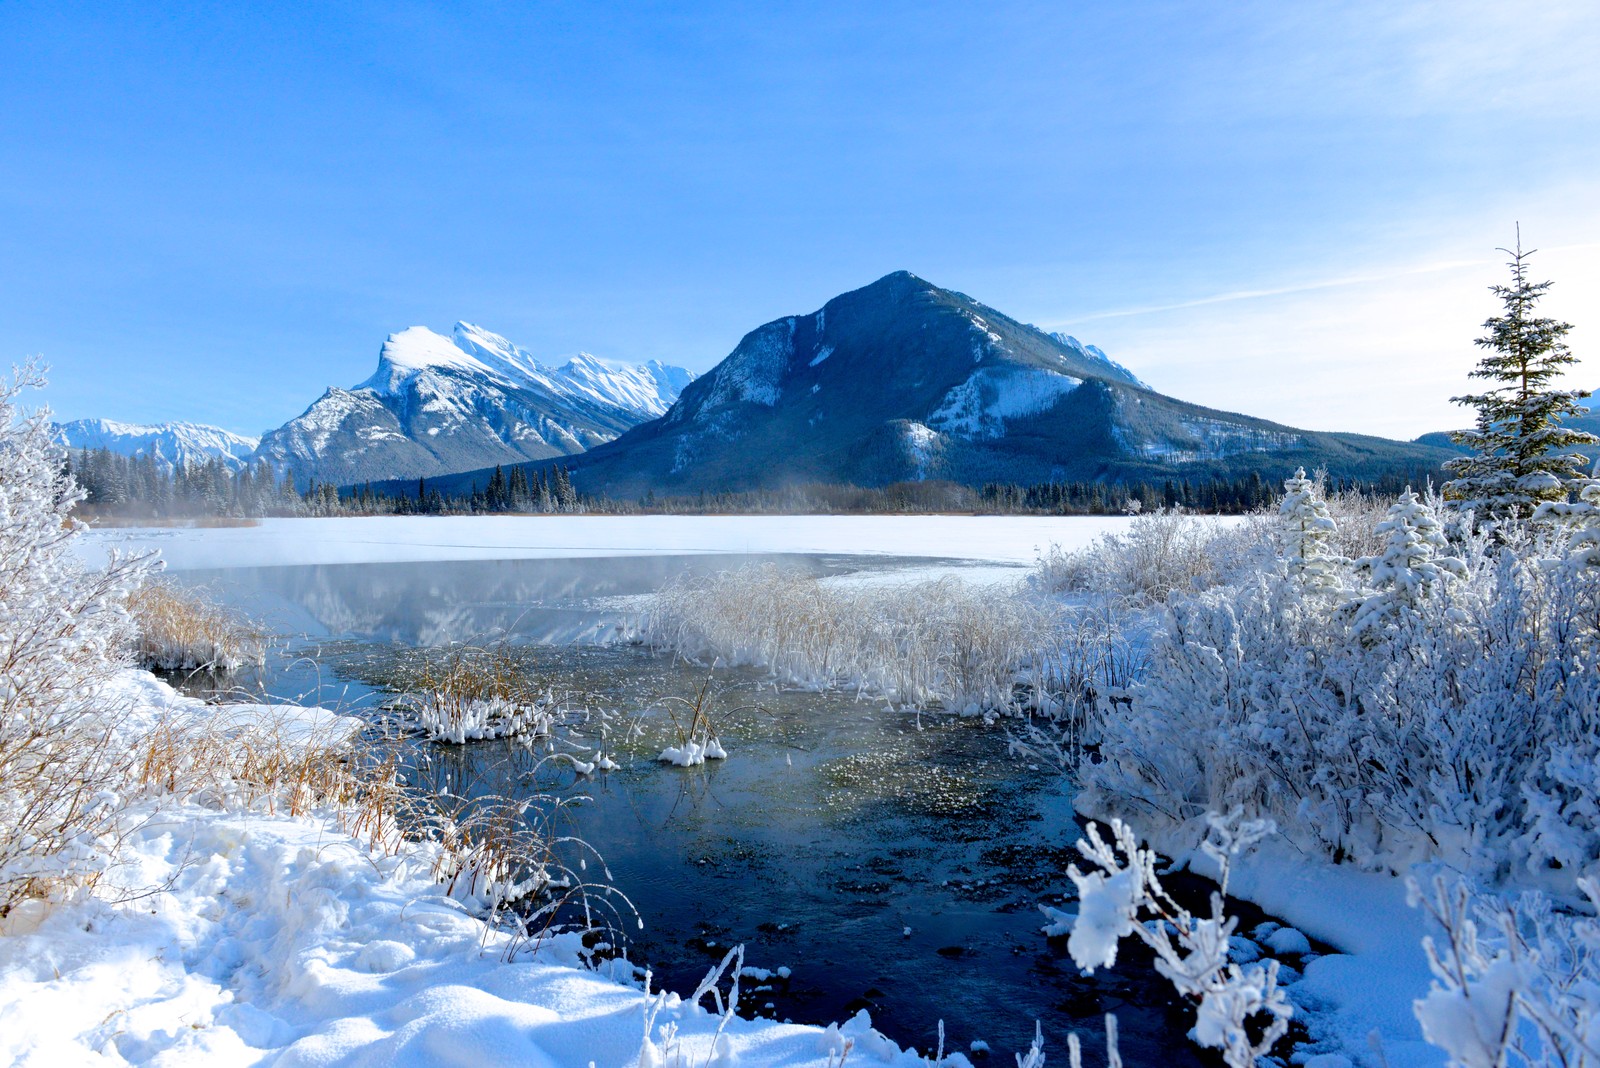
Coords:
1356,516
1308,532
1469,733
1240,1010
946,642
1582,519
62,632
179,630
1162,553
1409,567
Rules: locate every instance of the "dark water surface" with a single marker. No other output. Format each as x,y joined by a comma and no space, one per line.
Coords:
834,827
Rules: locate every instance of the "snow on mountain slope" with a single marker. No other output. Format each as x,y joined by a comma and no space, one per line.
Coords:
981,406
169,444
1093,352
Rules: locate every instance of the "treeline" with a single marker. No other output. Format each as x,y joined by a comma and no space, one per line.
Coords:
137,487
1221,495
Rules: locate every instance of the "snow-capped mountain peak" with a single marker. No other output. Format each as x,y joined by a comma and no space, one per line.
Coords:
438,404
650,387
496,352
417,349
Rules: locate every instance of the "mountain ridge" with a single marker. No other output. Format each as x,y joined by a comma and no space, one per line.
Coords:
437,404
171,444
901,380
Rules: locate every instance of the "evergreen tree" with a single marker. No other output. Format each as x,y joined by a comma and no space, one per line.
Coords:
1307,532
1521,455
1408,568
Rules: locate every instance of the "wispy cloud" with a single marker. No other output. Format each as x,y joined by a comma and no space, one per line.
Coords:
1279,291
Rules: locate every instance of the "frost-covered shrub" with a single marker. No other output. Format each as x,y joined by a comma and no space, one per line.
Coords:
1356,516
1581,518
1411,564
945,642
1467,733
62,631
1240,1010
1162,553
1308,532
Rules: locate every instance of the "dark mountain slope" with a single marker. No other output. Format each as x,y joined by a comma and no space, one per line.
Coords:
903,380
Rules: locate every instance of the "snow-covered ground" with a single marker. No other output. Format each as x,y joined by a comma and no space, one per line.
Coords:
1357,1000
996,539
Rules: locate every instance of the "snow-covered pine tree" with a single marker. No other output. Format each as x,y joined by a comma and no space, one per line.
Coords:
1408,568
1521,454
1308,531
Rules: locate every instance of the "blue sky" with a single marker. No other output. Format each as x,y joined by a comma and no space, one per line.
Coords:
212,212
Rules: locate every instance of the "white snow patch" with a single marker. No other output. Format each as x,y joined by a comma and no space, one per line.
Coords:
753,372
980,406
1212,439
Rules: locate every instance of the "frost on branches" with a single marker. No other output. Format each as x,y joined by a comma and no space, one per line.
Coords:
1515,983
62,630
1122,895
1521,454
1409,567
1582,519
1308,531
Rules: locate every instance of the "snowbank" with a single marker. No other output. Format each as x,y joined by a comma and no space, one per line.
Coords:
280,939
147,703
1003,539
1365,989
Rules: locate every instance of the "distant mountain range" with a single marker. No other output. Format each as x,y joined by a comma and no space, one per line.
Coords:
903,380
434,405
168,444
438,404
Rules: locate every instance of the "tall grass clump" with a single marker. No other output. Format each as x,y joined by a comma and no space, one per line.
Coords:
944,643
62,632
472,693
177,629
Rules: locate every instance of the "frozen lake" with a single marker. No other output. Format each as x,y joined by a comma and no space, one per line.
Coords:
1015,540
